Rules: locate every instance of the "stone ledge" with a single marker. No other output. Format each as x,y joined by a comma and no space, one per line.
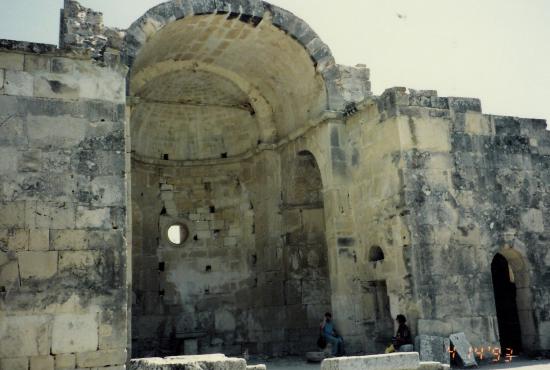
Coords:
392,361
211,362
27,47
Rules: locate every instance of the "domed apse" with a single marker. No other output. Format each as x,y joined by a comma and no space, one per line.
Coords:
211,87
212,97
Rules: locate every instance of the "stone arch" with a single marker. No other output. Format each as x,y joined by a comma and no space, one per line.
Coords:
248,11
252,12
194,79
519,275
376,254
306,261
307,182
212,84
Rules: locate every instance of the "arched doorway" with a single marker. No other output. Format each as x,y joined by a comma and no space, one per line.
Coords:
306,268
513,301
505,300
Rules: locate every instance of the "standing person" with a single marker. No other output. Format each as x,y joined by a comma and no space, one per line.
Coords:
403,335
331,335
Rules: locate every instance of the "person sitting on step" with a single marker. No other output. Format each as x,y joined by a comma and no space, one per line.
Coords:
403,335
331,335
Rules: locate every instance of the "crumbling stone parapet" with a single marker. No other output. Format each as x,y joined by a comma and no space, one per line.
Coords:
82,30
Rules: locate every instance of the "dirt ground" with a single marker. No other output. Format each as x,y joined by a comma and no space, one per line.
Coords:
297,363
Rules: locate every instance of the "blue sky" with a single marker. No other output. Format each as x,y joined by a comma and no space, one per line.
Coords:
498,51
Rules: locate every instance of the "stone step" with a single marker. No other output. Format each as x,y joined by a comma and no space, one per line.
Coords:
392,361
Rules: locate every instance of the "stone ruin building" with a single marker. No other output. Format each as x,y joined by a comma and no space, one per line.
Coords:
210,180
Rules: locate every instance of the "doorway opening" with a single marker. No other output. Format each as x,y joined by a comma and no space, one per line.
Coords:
514,301
504,287
376,311
305,255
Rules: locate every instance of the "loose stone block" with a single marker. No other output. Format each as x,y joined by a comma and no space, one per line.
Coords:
315,356
37,265
463,349
430,365
20,363
212,362
101,358
74,333
256,367
433,348
121,367
42,363
392,361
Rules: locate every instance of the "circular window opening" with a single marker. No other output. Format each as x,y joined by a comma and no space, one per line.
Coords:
177,234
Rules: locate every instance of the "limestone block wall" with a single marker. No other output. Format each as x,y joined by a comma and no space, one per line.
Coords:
375,190
475,186
82,30
198,291
253,274
62,211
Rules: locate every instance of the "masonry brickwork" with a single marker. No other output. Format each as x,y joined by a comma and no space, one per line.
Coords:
296,191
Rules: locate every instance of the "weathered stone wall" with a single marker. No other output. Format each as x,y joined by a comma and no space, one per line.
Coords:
197,292
474,186
253,275
427,191
375,187
306,283
82,30
63,286
300,191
